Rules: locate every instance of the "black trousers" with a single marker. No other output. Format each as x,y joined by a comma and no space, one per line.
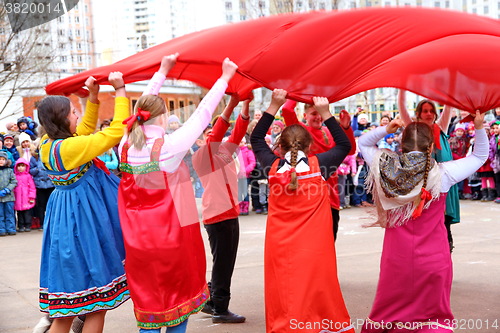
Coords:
24,218
42,197
447,223
224,237
336,220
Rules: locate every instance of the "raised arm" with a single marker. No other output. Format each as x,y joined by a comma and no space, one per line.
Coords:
79,150
262,152
179,142
457,170
90,114
288,112
403,111
444,120
154,85
330,160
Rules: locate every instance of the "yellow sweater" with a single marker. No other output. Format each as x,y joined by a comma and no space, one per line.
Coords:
85,146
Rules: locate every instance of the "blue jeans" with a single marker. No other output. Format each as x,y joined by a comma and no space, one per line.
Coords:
181,328
7,219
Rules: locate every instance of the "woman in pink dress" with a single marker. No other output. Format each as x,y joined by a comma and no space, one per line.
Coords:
413,293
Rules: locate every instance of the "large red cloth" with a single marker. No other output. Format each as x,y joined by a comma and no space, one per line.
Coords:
447,56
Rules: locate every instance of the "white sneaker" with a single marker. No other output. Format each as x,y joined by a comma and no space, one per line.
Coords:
43,325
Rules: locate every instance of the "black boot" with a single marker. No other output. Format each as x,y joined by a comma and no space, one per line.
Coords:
221,312
492,194
484,194
227,317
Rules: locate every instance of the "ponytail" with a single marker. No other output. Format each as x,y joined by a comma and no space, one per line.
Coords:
156,107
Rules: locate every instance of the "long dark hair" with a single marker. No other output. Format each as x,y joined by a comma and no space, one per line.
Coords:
418,109
53,114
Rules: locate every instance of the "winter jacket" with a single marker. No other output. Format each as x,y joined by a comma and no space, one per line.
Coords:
7,182
39,173
248,158
25,190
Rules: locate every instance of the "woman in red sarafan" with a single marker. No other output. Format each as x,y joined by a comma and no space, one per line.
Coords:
165,257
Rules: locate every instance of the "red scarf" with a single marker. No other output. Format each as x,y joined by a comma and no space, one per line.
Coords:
437,136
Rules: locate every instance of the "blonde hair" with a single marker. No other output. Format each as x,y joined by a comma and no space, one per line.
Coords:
156,107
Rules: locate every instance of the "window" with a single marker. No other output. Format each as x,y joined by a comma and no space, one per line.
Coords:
243,17
243,4
77,19
229,18
486,10
437,4
171,105
229,5
322,5
262,5
64,58
447,4
80,58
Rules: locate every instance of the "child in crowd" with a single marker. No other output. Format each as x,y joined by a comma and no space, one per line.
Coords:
299,239
388,143
44,188
2,148
82,235
26,148
8,143
7,184
28,126
459,145
13,130
166,263
25,194
345,171
173,124
247,164
494,157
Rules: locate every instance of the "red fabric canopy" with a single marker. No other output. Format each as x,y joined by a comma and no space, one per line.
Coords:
447,56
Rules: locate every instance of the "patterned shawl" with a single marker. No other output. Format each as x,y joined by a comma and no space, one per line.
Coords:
396,183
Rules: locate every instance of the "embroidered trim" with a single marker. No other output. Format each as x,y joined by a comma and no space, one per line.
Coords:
174,316
412,326
71,177
55,160
110,296
139,169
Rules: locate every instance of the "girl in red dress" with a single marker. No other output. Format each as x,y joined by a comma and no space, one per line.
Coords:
302,292
165,257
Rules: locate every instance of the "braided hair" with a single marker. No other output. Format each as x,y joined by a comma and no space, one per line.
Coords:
418,136
292,139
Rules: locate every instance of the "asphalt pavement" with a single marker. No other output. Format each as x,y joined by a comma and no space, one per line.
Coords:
475,295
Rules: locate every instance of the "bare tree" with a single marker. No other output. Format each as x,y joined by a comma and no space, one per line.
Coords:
26,61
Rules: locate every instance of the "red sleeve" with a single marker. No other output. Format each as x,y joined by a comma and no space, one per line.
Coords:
350,135
220,128
239,131
288,112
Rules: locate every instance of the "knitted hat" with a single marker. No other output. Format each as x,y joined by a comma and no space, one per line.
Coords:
279,123
24,137
362,116
389,136
4,154
8,136
461,126
173,118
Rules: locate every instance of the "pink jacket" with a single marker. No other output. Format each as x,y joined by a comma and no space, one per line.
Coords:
248,161
25,189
